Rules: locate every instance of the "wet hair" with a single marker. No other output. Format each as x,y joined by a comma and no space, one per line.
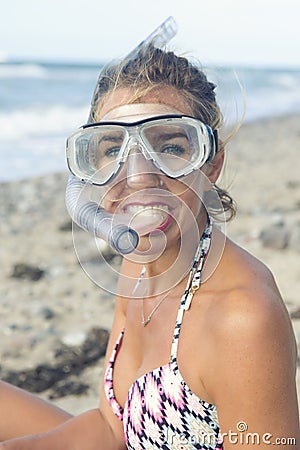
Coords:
151,68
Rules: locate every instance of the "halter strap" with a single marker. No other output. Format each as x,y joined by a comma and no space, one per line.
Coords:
192,285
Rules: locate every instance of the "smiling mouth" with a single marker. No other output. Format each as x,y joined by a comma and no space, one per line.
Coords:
147,218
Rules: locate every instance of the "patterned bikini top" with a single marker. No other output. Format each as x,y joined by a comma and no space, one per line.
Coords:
161,412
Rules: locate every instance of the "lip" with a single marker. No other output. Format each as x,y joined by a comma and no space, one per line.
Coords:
164,225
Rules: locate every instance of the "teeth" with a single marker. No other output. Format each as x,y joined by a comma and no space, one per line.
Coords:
145,219
147,210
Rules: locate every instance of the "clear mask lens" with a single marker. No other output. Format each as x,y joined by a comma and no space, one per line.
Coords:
98,151
176,145
175,148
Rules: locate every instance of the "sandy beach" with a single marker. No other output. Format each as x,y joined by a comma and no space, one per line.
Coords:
48,305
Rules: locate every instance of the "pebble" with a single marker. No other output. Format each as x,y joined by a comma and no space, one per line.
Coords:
71,386
294,241
46,313
74,339
66,226
295,314
27,272
276,237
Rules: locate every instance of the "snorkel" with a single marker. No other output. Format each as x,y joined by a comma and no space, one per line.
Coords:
86,213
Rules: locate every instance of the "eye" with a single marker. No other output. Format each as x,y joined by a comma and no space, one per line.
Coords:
109,143
112,152
173,149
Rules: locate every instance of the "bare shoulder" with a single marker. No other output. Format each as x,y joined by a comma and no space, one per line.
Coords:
250,303
247,324
253,346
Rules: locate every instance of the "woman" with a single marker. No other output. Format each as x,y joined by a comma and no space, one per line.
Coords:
195,363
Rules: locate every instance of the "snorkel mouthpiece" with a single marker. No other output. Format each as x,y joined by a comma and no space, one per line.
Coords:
123,239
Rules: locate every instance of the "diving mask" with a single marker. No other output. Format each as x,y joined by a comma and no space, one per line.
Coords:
176,144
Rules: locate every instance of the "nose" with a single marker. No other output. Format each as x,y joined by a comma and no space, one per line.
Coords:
141,172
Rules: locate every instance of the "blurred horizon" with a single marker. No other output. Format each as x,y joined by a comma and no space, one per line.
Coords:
61,61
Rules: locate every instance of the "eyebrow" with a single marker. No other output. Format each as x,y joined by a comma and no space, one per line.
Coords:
108,138
168,136
161,137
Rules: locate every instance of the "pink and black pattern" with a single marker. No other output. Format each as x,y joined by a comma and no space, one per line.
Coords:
161,412
108,380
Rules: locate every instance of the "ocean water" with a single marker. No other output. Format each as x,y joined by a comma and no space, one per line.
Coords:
42,103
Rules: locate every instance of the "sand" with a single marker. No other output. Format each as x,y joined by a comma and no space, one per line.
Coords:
60,308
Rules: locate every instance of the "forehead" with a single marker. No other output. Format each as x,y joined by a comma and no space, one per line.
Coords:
138,111
118,105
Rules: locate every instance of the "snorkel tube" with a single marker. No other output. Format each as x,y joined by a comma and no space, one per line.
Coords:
89,216
86,213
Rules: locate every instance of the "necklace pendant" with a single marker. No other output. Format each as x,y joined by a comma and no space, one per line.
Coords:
145,322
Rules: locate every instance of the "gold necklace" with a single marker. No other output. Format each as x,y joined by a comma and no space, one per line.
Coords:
149,317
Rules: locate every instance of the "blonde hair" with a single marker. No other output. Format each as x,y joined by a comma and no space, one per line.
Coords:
152,67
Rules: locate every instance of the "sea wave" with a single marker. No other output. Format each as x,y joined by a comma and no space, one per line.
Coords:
32,140
40,121
23,71
257,92
44,71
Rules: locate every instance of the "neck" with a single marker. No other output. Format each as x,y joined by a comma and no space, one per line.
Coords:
173,265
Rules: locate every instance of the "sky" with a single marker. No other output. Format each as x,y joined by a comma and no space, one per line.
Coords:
245,32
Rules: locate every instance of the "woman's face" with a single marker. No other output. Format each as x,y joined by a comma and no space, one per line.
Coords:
156,202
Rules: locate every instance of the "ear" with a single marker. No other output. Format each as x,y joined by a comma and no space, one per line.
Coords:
214,167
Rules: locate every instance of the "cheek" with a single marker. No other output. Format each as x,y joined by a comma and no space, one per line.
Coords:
189,194
113,194
191,202
190,189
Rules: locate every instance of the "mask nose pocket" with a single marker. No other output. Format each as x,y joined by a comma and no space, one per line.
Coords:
138,162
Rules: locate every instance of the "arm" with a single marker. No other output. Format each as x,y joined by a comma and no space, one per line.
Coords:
88,431
96,429
254,381
22,413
